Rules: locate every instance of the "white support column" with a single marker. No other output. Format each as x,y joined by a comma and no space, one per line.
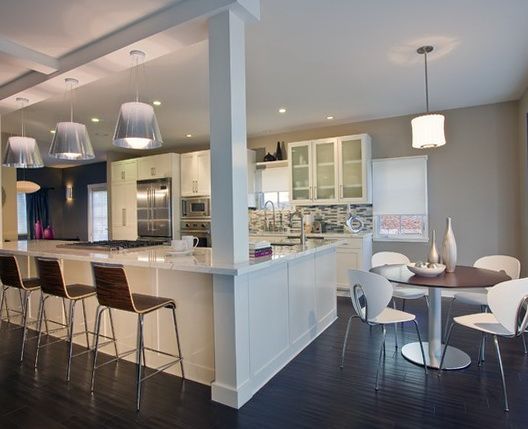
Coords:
229,211
227,110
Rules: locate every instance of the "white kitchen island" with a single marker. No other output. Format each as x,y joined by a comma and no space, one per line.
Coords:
275,309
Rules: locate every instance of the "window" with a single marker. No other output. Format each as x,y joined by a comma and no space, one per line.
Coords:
400,199
281,200
97,212
22,214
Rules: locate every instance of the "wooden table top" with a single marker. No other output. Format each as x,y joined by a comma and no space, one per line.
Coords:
462,277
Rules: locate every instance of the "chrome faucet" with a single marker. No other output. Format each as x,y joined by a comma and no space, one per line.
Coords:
302,237
266,215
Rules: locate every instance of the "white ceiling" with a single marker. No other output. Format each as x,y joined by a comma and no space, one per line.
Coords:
351,59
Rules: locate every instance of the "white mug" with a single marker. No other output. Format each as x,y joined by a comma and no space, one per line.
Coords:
180,245
191,241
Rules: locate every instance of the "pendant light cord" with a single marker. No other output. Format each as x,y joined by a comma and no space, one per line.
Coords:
426,84
71,101
136,77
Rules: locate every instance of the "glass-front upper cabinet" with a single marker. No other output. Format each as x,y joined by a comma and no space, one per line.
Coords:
324,172
354,168
300,156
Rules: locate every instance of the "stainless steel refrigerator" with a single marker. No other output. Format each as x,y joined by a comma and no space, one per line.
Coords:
154,208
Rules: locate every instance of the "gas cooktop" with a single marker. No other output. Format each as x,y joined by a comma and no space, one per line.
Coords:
113,244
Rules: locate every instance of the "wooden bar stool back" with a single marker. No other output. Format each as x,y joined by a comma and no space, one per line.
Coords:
113,292
12,278
53,284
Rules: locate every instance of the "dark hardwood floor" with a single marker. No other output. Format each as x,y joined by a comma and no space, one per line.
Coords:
311,392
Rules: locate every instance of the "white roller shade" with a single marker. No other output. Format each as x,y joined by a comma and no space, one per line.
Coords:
275,179
399,185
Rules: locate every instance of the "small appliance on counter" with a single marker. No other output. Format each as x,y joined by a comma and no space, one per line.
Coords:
319,227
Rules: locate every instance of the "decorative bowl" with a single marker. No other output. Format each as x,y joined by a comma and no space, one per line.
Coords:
425,271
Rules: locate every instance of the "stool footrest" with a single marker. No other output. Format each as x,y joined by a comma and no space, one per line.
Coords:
119,356
162,367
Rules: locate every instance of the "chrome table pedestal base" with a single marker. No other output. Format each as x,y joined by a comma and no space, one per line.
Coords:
454,359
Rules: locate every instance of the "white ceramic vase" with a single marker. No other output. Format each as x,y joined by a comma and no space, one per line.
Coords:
433,256
449,248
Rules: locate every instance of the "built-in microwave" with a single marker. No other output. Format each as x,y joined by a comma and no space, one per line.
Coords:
196,207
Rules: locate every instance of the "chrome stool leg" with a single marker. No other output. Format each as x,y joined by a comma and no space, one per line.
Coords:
178,341
395,326
524,343
2,301
382,348
85,324
39,326
113,331
99,313
499,357
71,325
27,295
139,353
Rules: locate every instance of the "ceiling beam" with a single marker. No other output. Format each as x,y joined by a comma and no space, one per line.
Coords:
29,58
157,22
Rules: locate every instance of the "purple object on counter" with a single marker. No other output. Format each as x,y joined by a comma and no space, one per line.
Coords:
38,230
48,233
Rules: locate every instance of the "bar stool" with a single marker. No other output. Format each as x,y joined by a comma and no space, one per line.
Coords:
52,284
11,278
113,292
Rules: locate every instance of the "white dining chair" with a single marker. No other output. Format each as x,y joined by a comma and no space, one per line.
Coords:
398,291
370,294
479,297
508,302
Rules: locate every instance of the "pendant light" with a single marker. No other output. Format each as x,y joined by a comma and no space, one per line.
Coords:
26,187
428,129
22,151
137,126
71,140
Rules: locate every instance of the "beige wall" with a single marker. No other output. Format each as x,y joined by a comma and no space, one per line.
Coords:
473,179
523,175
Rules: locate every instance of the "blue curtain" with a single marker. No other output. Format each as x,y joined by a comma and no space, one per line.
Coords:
37,209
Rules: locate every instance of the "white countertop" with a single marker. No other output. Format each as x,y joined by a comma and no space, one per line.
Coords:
156,257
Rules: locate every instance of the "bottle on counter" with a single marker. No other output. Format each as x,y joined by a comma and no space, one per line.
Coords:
278,153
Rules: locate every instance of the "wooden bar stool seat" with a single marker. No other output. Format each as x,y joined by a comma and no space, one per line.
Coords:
53,284
11,278
113,292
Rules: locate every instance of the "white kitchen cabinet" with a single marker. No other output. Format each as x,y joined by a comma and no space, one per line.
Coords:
354,172
124,211
124,171
355,253
195,173
330,171
155,166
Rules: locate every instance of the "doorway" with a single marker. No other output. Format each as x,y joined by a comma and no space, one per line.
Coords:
97,212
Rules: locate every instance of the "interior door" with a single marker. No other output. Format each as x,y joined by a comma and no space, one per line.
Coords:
324,171
203,163
97,212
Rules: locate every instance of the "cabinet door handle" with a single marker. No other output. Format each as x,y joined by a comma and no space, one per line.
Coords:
123,175
153,171
315,192
341,191
123,215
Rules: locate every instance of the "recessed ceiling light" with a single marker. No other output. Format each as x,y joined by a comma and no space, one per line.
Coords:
282,110
52,131
188,135
156,103
330,117
95,119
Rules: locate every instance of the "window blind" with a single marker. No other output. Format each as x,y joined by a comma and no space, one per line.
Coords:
399,185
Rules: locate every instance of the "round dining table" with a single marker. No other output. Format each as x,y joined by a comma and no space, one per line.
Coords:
462,278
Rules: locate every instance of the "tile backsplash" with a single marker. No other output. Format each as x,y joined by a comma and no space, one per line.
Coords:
334,216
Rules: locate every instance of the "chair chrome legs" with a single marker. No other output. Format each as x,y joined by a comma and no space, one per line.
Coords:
421,345
448,319
113,331
25,306
39,326
524,343
85,324
139,353
449,332
345,340
178,340
70,337
499,357
2,300
99,313
382,348
395,326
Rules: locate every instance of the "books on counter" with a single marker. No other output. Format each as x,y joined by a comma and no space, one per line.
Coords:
260,249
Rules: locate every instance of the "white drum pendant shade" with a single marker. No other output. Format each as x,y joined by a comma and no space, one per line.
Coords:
22,152
26,187
428,131
137,127
71,141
